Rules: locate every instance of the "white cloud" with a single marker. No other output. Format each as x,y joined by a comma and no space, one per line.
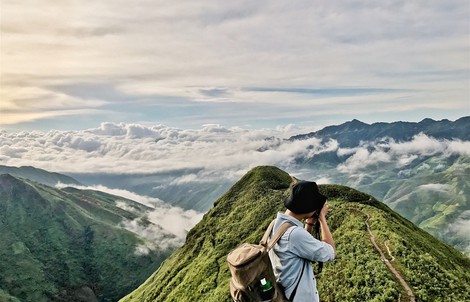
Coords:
125,206
443,188
155,237
168,228
141,250
169,225
461,227
363,159
397,153
459,147
421,144
209,154
133,148
12,152
406,159
346,151
150,202
324,180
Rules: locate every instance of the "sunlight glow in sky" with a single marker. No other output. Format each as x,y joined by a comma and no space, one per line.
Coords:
74,64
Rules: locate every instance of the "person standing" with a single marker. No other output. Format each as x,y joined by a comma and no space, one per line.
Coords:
292,255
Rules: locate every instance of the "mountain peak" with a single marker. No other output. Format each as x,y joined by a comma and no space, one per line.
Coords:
357,122
266,177
427,121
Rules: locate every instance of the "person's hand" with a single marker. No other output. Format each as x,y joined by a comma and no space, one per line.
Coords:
310,220
324,210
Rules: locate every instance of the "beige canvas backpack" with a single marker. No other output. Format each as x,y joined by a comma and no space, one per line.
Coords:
253,278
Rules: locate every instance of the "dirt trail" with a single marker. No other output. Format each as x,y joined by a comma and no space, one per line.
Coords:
388,250
408,290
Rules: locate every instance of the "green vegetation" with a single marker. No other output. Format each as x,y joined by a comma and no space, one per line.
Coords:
62,244
437,207
38,175
198,271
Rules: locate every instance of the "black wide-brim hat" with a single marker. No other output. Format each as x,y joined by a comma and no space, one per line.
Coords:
305,198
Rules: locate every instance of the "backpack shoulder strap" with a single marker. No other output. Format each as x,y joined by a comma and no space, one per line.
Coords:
282,229
275,238
264,240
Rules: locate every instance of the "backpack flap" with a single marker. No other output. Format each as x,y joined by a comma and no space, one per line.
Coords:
246,263
244,254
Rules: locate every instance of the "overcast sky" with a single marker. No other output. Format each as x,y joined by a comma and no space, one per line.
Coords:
71,64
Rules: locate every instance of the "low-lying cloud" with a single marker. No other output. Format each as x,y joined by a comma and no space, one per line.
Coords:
461,227
147,201
212,152
442,188
399,153
132,148
168,224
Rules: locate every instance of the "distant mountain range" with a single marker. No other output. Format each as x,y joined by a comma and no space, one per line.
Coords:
68,244
430,270
350,134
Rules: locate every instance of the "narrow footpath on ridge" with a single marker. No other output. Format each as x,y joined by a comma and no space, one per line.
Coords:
388,250
408,289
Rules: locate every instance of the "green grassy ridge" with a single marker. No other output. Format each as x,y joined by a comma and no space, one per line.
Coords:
38,175
56,242
198,271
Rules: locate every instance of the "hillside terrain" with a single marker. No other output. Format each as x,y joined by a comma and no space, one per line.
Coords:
69,244
370,239
39,175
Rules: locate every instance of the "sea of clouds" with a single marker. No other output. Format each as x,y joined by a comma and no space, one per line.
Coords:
212,149
211,154
132,148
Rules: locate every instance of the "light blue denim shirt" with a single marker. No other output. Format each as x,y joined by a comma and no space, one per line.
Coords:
289,254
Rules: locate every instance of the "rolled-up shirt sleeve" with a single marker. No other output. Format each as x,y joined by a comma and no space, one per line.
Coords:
306,246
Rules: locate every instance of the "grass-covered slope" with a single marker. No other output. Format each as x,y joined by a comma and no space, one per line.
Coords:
38,175
441,204
198,271
67,245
